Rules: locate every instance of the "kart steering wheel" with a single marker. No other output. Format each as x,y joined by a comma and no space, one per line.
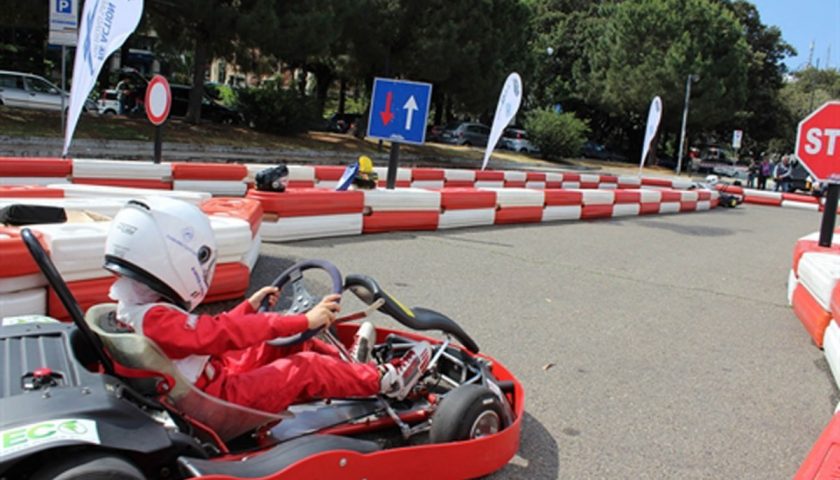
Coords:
302,299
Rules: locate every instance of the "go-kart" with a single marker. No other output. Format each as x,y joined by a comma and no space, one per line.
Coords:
94,400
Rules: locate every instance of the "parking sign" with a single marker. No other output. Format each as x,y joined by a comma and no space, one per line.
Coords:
399,110
64,22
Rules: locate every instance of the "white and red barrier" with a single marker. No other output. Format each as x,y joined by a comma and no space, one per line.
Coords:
466,207
218,179
113,173
34,170
402,209
300,214
428,178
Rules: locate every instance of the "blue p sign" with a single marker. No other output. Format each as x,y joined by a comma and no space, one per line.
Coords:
64,6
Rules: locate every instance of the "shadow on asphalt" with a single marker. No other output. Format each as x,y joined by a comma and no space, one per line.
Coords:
538,457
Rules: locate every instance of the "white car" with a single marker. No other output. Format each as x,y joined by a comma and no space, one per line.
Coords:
31,91
108,103
516,139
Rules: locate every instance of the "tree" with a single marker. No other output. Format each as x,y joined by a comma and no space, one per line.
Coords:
802,94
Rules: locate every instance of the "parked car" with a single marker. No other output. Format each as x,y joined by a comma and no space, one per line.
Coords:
467,134
516,139
595,151
210,109
108,103
31,91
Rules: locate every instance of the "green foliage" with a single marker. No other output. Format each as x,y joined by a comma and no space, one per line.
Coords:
556,135
273,109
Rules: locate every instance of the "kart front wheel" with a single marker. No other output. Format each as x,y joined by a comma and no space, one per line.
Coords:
90,466
467,412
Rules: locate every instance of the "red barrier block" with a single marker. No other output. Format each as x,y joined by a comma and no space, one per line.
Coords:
571,177
730,189
466,199
589,185
229,282
209,171
535,177
247,209
301,184
35,167
669,196
811,314
649,208
590,212
623,196
688,206
306,202
329,172
383,182
658,182
715,202
489,175
563,197
29,191
609,179
554,185
803,246
773,202
14,256
380,222
459,184
511,215
823,461
703,195
796,197
514,184
125,182
427,174
87,292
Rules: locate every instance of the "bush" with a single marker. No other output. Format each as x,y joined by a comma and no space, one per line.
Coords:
273,109
556,134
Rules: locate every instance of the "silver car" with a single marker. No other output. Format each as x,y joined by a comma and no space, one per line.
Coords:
516,139
31,91
467,134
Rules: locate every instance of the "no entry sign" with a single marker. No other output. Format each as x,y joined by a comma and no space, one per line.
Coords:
817,142
158,100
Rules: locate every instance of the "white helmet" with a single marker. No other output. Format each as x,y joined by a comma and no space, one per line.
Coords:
166,244
712,179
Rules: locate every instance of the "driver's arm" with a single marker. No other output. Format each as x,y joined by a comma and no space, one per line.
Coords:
181,335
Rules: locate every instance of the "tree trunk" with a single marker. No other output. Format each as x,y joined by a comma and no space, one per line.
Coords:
197,90
439,103
342,95
323,80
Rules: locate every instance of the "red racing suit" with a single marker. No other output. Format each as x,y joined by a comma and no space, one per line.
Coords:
227,357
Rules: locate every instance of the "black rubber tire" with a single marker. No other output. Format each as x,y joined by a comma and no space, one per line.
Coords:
89,466
458,411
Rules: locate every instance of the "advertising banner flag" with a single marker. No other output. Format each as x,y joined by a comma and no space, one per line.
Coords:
106,24
506,109
654,116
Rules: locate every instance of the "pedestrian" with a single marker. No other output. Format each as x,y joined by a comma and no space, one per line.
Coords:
764,171
124,94
752,173
781,175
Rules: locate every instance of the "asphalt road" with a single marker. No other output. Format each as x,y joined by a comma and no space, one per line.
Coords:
673,353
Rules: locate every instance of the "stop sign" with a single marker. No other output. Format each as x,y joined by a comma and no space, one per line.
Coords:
817,142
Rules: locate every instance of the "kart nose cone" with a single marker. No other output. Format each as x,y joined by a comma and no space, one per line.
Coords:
42,373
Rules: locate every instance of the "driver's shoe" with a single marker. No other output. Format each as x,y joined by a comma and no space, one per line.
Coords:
363,343
399,378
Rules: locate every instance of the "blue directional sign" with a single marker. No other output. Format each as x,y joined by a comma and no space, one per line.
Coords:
399,110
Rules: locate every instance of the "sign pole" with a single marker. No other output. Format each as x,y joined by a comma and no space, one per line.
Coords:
63,84
158,143
392,165
829,215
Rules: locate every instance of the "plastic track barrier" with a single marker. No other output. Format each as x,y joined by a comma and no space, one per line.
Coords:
813,317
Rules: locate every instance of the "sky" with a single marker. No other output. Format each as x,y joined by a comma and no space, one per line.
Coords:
803,22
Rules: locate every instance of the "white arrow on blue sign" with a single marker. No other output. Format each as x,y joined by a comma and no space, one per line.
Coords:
399,110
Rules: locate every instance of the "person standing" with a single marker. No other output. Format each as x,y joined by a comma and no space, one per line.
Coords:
782,175
752,173
764,171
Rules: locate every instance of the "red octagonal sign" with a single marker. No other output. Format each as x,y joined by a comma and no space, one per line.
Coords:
818,142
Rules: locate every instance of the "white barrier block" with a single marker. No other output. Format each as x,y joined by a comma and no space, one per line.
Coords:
791,286
518,197
83,168
553,177
76,247
629,181
819,272
490,184
570,185
427,184
831,347
299,228
403,174
715,195
535,185
23,282
101,206
253,254
650,196
800,205
626,209
326,184
98,191
553,213
704,205
39,181
473,217
515,176
681,184
598,197
26,302
456,174
750,192
589,178
689,195
608,186
220,188
669,207
401,199
233,238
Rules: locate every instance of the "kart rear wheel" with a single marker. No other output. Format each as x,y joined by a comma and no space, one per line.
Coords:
467,412
89,466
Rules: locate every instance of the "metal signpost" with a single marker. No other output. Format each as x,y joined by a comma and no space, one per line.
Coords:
158,103
818,148
64,30
399,110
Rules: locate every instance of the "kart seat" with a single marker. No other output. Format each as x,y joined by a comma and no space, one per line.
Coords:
131,350
275,459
